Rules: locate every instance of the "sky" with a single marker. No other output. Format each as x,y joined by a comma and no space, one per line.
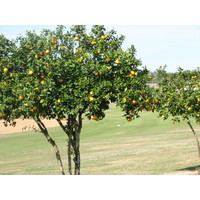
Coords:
156,45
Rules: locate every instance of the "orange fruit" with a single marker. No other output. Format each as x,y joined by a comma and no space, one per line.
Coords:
155,101
60,80
91,99
21,97
54,41
117,61
128,119
134,102
94,117
47,51
76,38
107,59
30,72
96,73
5,70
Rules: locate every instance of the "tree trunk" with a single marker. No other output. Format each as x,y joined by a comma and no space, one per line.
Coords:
65,128
52,142
197,140
73,130
77,160
69,158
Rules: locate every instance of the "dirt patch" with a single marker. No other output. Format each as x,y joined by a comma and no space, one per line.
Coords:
21,124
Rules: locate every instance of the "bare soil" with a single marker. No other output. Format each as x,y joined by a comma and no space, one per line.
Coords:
21,124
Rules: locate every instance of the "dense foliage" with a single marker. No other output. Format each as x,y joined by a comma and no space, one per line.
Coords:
68,74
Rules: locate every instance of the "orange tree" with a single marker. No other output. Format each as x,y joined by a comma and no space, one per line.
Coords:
66,75
179,97
7,100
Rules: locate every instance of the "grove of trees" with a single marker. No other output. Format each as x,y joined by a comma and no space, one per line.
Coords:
67,75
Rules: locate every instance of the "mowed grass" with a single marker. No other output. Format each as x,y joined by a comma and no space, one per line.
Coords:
146,146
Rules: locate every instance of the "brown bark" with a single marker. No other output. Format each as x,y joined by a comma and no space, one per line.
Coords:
52,142
197,140
73,130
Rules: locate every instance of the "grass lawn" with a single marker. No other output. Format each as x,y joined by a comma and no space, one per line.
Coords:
145,146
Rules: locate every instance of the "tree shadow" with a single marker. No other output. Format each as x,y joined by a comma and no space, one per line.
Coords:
192,168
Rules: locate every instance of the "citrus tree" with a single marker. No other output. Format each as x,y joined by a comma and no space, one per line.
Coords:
71,74
6,52
179,97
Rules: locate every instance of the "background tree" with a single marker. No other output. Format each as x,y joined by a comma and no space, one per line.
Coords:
179,98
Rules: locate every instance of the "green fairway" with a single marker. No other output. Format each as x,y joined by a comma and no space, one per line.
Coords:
147,145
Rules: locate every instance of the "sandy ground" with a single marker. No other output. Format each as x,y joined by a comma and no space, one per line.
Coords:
21,124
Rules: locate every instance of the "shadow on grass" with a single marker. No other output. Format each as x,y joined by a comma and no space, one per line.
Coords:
190,168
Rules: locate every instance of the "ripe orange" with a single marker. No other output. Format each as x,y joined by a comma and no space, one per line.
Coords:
5,70
93,42
128,119
117,61
96,73
91,99
134,102
124,99
42,76
1,64
91,93
147,100
76,38
47,51
21,97
4,83
107,59
42,82
130,75
36,56
104,36
60,80
54,41
30,72
94,117
133,73
198,99
155,101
